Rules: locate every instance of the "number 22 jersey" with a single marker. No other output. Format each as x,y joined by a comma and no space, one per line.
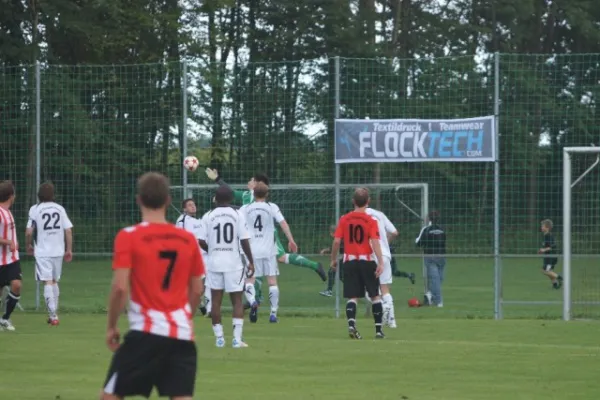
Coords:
162,259
50,221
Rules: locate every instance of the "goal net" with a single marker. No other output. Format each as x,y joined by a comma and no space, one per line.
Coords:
310,210
581,233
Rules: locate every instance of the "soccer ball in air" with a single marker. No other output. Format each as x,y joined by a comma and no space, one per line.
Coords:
190,163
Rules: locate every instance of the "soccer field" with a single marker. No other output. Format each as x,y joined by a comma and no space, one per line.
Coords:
449,353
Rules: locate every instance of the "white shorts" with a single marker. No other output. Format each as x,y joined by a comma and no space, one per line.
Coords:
386,276
266,267
48,268
230,282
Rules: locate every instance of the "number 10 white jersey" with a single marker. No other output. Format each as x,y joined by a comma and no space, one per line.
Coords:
222,229
261,216
50,221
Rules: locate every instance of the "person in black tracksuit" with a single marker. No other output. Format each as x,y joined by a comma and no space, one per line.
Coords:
432,240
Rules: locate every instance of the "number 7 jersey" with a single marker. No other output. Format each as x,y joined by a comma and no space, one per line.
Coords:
222,229
163,259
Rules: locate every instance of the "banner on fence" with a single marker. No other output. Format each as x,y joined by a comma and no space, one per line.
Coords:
415,140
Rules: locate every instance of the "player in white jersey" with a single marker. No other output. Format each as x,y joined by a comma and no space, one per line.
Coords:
10,266
224,231
53,242
190,223
387,232
261,217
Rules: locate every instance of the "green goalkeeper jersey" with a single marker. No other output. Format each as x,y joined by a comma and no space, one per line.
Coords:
242,196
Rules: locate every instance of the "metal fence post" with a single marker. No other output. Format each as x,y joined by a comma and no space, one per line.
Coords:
497,260
184,145
38,150
336,114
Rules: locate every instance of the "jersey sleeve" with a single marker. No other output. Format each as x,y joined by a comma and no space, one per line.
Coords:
374,229
198,267
66,222
122,257
243,227
202,234
389,227
339,231
32,216
277,214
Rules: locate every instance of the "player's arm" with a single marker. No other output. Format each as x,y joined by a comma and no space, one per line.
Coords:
119,289
337,241
374,240
390,229
195,284
293,247
69,244
419,241
549,245
213,175
244,237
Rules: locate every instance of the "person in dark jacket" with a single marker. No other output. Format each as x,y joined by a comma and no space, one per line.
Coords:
432,240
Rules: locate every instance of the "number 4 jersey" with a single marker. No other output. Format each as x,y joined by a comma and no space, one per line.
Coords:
222,230
261,216
50,221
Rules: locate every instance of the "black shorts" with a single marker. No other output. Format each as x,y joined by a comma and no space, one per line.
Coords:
548,266
359,277
10,272
145,361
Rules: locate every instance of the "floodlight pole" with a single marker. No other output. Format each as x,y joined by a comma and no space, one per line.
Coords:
566,234
497,260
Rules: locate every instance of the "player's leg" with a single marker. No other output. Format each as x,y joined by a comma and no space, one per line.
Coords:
433,277
177,379
401,274
385,281
216,281
56,274
134,367
234,285
430,266
556,279
441,273
44,273
250,291
297,259
352,292
371,284
271,270
330,282
11,276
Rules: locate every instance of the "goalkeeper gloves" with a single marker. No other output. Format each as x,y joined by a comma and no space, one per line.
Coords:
212,174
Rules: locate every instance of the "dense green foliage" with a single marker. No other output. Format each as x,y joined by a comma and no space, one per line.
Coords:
260,105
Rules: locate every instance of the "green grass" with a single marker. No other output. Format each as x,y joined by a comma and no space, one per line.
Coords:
457,352
468,289
310,358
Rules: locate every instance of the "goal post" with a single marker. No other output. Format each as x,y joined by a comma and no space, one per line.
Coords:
577,276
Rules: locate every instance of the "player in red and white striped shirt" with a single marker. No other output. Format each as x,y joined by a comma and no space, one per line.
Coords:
161,267
360,233
10,267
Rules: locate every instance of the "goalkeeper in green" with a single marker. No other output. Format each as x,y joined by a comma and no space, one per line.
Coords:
247,197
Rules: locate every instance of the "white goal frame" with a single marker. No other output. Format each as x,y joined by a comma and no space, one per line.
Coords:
568,185
423,188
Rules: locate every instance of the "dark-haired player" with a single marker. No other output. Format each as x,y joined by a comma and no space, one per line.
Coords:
247,197
159,266
54,241
10,266
360,234
549,250
190,223
224,231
